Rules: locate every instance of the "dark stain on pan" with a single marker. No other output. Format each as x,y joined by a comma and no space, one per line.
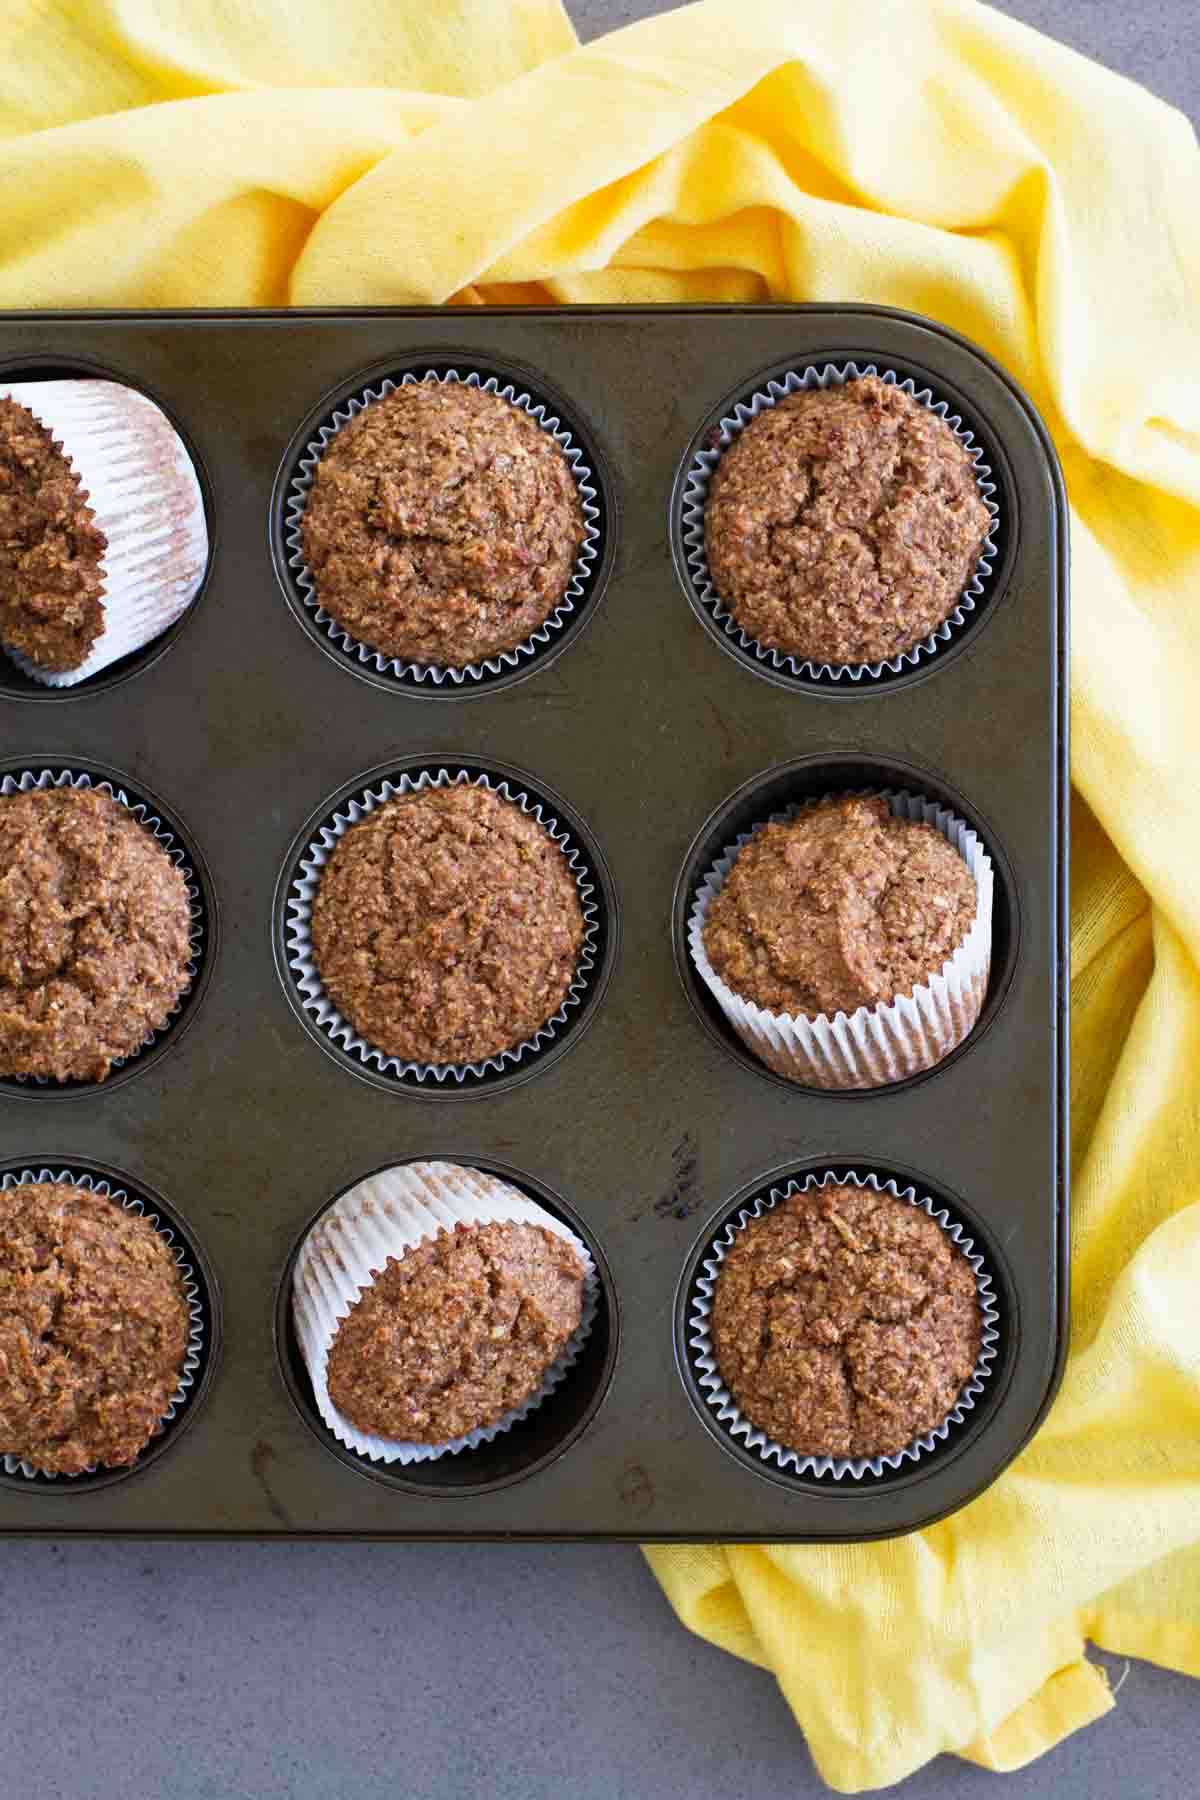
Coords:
681,1199
261,1458
636,1488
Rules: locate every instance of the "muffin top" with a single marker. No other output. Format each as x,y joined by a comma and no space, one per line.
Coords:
94,933
843,524
843,906
442,524
447,925
94,1327
845,1322
456,1333
51,550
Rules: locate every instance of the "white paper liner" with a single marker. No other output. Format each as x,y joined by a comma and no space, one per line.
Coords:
695,495
434,673
14,1465
48,778
875,1045
299,919
142,488
708,1375
387,1215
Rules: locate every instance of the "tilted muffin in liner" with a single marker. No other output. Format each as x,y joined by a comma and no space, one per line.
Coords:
437,674
694,500
14,1465
877,1044
707,1374
303,890
50,778
385,1216
142,489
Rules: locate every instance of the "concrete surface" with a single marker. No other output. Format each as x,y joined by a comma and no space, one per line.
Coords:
289,1672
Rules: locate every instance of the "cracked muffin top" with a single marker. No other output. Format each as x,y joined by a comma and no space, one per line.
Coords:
845,1322
843,906
94,1326
843,524
94,934
456,1333
447,925
442,525
51,550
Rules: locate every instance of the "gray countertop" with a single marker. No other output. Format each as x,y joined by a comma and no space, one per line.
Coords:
272,1671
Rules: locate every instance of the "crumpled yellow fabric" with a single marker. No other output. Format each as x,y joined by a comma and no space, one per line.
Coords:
931,154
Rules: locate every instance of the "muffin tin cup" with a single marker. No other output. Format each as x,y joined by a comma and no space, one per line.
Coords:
694,498
145,496
878,1045
298,941
384,1217
196,1348
144,813
435,674
704,1369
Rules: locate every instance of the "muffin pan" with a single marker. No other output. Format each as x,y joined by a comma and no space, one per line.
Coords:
643,1123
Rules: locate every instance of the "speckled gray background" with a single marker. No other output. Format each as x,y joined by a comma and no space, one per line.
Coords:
295,1672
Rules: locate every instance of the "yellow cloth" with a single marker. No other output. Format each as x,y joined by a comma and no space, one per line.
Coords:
927,153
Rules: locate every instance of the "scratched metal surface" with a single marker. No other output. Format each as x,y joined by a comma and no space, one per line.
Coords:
649,1124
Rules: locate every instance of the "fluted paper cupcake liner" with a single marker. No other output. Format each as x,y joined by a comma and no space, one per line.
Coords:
143,813
708,1375
385,1216
695,498
14,1465
142,488
437,674
303,890
875,1045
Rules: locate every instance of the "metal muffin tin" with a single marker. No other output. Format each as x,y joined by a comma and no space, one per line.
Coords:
646,1124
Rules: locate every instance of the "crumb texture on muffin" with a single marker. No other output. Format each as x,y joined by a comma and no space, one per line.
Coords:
51,550
843,524
94,1326
442,525
94,934
845,1322
843,906
456,1333
447,926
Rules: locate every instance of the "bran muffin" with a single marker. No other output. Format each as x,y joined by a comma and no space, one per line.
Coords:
844,905
94,1327
442,525
51,549
456,1333
103,535
843,524
95,925
845,1322
447,926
